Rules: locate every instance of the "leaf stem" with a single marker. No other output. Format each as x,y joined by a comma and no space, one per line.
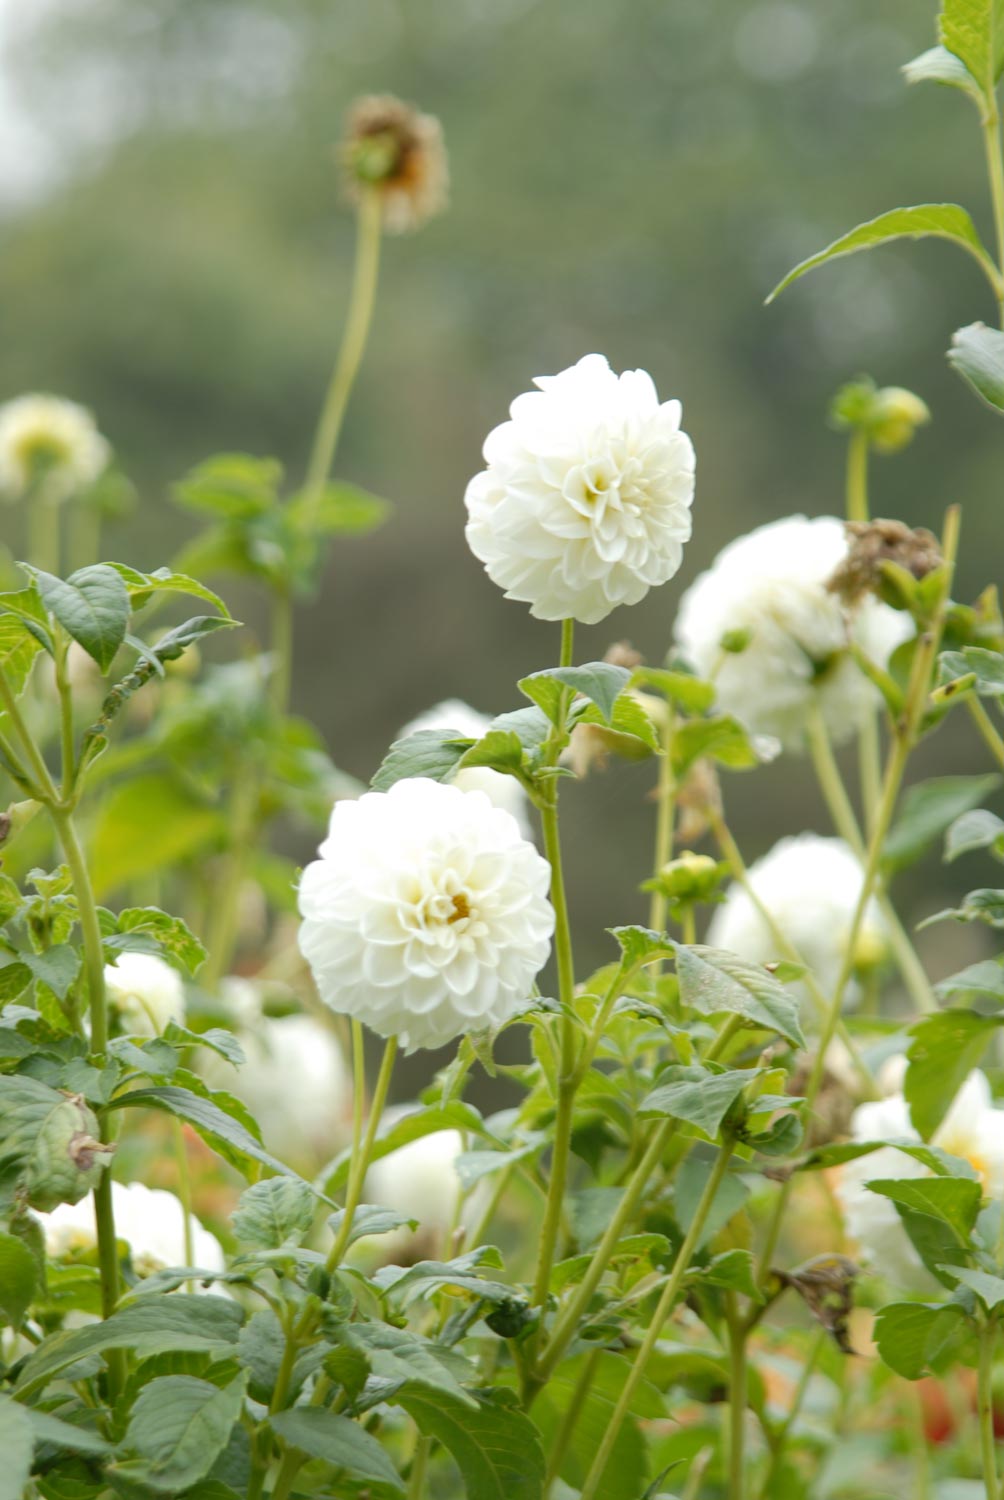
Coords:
663,1309
665,815
985,1399
988,730
857,475
737,1339
361,1150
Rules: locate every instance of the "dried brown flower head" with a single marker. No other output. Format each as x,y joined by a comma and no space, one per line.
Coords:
389,145
873,543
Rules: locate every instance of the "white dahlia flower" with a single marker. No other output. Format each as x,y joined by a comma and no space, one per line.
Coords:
294,1079
501,790
810,886
419,1181
49,441
771,585
150,1220
972,1129
426,915
585,500
146,992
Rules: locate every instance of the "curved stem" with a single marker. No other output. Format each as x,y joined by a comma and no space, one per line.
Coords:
663,1309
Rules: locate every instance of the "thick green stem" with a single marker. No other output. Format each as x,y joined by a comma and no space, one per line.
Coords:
569,1421
663,1309
985,1398
988,730
857,475
419,1466
665,815
995,173
361,1151
737,1400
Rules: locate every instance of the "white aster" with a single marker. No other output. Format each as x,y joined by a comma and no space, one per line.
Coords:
502,791
585,500
771,584
49,441
150,1220
972,1130
810,886
426,915
146,993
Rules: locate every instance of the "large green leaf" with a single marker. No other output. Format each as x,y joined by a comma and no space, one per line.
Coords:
599,681
910,1335
977,353
338,1441
431,752
141,586
179,1425
496,1448
978,829
18,1278
400,1355
235,486
713,981
276,1212
954,1201
626,1473
945,1048
698,1095
92,605
927,810
18,649
16,1445
974,31
945,221
147,824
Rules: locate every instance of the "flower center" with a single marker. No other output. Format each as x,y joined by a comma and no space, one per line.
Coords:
461,908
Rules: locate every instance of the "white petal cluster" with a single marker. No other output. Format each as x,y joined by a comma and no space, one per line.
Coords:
771,584
501,791
972,1129
426,915
294,1079
584,503
811,887
150,1220
419,1181
146,992
50,440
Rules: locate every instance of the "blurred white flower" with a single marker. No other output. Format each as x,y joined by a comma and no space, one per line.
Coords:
426,915
146,992
51,442
294,1080
502,791
150,1220
771,586
972,1129
810,886
585,500
419,1181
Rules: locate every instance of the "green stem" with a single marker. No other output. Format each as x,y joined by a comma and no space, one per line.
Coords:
664,822
782,1434
569,1421
857,475
43,531
361,1151
184,1190
663,1309
357,326
988,730
281,646
870,767
737,1400
985,1399
419,1467
225,918
67,748
995,173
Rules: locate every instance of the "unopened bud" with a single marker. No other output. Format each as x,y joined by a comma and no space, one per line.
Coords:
16,817
67,1158
889,416
689,878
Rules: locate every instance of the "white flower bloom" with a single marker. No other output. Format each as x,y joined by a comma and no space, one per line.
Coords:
419,1181
501,791
585,500
150,1220
294,1080
49,440
772,585
972,1130
146,992
426,915
810,886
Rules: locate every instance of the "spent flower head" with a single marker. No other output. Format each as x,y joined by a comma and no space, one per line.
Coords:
873,546
426,915
50,445
391,147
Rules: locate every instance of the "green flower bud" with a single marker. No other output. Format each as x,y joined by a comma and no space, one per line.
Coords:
889,416
67,1158
690,878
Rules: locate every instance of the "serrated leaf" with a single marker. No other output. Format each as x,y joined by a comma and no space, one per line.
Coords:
927,810
172,935
338,1441
713,981
179,1425
140,586
497,1448
640,945
92,605
17,1445
57,967
400,1355
498,750
944,1050
276,1212
954,1201
977,354
18,1279
698,1095
910,1335
942,220
599,681
435,753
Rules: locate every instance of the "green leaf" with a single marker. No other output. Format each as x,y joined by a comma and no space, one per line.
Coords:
276,1212
140,586
988,667
435,753
989,1289
944,1050
340,509
410,1127
640,945
954,1201
499,750
911,1335
927,810
60,1434
978,829
57,967
977,354
462,1273
179,1425
150,823
733,1270
212,1122
18,1279
92,605
18,649
171,934
979,981
232,485
942,220
974,31
984,905
26,605
599,681
698,1095
713,981
691,694
370,1218
938,65
338,1441
497,1448
399,1355
566,1392
723,739
16,1445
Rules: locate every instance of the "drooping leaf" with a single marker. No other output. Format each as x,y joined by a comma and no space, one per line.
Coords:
713,982
338,1441
400,1355
954,1201
462,1273
985,905
977,354
942,220
498,750
497,1448
179,1425
938,65
978,829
